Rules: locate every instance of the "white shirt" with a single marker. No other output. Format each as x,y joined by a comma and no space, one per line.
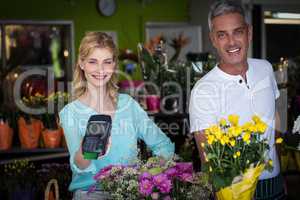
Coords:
219,94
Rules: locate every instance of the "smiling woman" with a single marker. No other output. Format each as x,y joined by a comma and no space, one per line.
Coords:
96,94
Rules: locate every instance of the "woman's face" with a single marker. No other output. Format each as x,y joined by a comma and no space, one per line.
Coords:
98,67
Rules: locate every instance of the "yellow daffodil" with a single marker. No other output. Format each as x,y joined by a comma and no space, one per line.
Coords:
279,140
223,122
261,127
246,137
256,119
210,139
232,143
233,119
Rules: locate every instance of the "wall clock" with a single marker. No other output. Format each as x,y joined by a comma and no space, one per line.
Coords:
107,7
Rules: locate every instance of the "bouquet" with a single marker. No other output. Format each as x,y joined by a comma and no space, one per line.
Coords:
236,155
154,179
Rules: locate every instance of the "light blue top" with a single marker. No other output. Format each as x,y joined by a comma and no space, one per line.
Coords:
130,123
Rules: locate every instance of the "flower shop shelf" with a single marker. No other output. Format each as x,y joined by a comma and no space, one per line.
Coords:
36,154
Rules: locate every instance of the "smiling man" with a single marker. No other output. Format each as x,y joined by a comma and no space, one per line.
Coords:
237,85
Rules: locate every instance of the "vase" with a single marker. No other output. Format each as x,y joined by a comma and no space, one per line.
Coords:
29,132
6,136
52,138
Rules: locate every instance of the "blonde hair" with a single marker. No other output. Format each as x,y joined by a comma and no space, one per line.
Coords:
90,42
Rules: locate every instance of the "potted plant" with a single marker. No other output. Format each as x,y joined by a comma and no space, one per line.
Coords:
52,132
29,125
6,132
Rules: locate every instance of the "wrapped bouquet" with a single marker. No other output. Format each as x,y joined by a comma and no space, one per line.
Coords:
236,155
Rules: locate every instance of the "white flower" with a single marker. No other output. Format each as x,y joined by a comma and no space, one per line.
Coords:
296,128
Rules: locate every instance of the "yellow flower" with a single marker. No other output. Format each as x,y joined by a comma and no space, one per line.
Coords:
261,127
238,154
232,143
271,162
279,140
234,131
256,119
246,137
223,122
210,139
233,119
210,168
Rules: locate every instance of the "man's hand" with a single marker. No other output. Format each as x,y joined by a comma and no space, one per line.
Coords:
200,138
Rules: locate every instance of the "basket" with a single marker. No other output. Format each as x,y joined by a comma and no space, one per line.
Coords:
49,193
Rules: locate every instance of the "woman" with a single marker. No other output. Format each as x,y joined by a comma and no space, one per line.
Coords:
95,92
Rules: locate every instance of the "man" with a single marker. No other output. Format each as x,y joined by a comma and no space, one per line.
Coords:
236,85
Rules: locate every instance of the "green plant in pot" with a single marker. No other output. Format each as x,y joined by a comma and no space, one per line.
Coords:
52,132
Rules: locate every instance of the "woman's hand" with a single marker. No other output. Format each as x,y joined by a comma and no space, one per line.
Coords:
79,159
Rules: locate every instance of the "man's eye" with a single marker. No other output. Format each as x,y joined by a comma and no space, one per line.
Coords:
221,35
239,32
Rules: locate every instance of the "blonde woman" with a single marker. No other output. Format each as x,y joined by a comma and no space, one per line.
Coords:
95,92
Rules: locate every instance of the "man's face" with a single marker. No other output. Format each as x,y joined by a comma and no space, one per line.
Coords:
231,37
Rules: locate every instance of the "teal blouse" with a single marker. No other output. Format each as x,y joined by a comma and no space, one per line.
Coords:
130,123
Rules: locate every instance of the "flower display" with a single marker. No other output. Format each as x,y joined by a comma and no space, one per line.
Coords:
236,154
55,100
154,179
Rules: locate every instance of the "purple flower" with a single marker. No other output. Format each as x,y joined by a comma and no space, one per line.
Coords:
162,182
184,167
145,187
92,189
187,177
104,172
145,175
171,172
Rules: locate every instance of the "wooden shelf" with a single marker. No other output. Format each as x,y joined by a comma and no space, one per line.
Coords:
19,150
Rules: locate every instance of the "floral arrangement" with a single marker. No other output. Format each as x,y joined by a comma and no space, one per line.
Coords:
235,153
154,179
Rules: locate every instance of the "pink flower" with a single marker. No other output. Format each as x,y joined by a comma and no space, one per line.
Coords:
145,187
171,172
187,177
145,175
162,182
104,172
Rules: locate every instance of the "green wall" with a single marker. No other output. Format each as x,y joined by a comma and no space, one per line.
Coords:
128,21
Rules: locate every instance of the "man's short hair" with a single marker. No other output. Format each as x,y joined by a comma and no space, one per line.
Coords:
225,7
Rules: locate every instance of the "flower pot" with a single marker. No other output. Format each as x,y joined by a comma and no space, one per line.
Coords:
29,133
153,103
52,138
6,136
243,190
